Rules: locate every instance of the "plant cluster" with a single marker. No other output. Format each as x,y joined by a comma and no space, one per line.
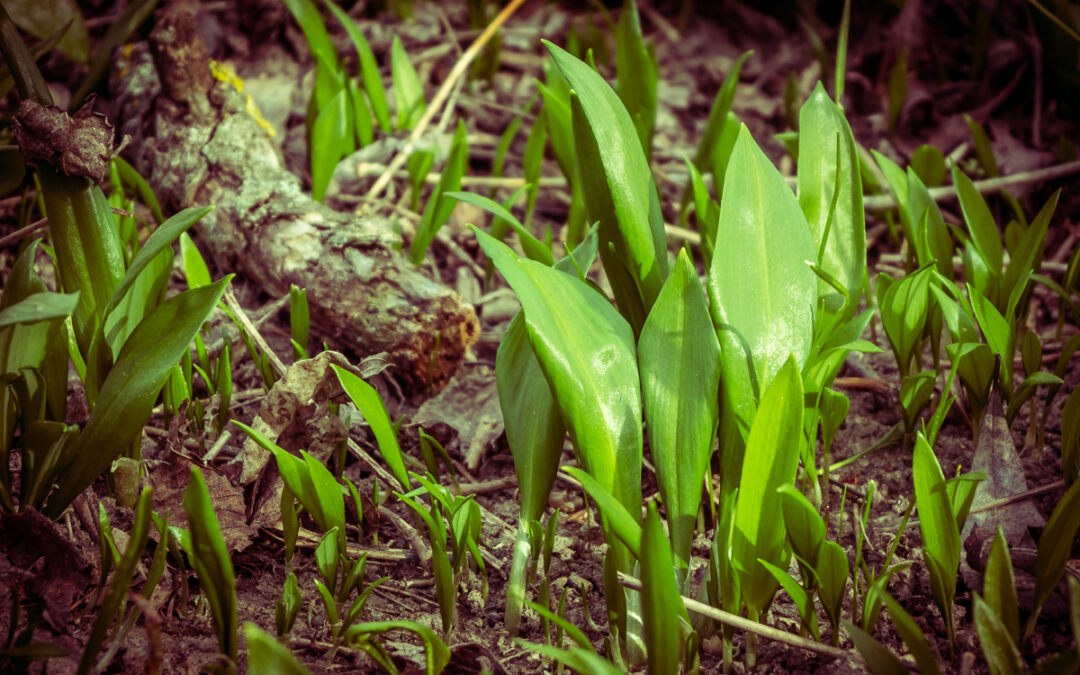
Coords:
717,362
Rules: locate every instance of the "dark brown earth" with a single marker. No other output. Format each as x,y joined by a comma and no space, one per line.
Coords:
1000,66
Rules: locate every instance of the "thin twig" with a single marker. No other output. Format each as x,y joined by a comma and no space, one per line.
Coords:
456,73
765,631
240,314
948,192
18,235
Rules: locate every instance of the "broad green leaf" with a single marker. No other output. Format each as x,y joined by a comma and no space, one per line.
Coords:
266,655
408,91
635,66
941,538
878,658
772,453
660,598
586,351
211,562
534,429
127,396
328,137
679,358
372,407
915,392
980,223
832,574
904,310
619,189
804,525
821,127
928,163
1055,544
369,68
39,307
762,291
932,240
999,586
1070,438
912,635
192,263
1002,656
159,240
329,493
995,327
1028,255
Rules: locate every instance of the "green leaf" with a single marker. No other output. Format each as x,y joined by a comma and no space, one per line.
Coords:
127,396
999,586
772,454
762,291
941,538
878,658
328,137
116,597
438,654
660,598
1002,656
619,189
194,266
307,15
408,91
803,601
158,241
928,163
636,68
372,407
369,68
832,573
267,655
39,307
821,127
328,491
439,207
904,310
1055,544
912,635
211,562
620,520
980,223
804,525
43,18
586,351
679,358
534,430
533,247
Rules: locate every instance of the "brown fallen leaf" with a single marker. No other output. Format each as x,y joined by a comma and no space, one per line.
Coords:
170,479
996,455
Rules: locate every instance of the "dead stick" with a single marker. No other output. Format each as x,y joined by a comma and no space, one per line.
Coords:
456,73
765,631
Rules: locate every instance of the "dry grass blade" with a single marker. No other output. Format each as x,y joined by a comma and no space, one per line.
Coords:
456,73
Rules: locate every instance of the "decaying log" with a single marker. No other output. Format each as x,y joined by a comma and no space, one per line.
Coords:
195,143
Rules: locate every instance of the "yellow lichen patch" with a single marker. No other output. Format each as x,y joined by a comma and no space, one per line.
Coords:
225,73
